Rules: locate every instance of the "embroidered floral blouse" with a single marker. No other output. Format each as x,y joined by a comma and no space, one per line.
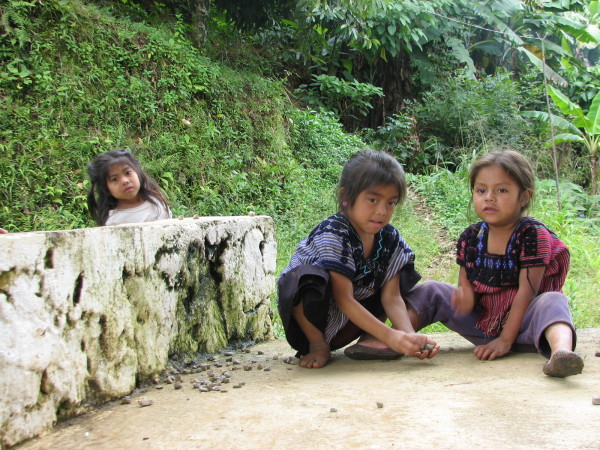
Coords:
495,278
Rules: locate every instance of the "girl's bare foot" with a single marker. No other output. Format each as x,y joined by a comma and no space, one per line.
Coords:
317,357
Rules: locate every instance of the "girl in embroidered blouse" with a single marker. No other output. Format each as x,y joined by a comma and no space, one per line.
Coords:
352,272
512,269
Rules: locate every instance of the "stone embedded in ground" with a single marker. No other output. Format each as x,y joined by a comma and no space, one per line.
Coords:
145,402
125,401
379,405
596,401
178,385
597,352
333,410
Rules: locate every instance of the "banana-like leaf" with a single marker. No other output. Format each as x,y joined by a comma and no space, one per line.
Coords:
557,121
548,72
593,115
564,137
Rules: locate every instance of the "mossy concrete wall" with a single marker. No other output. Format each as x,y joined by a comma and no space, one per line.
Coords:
86,314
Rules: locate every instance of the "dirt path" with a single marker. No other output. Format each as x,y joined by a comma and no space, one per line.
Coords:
452,401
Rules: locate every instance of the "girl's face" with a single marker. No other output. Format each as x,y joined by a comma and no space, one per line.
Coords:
497,197
124,185
372,210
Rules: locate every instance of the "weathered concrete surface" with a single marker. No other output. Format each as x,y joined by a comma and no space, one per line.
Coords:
85,314
452,401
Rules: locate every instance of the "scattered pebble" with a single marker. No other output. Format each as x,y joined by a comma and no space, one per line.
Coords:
251,213
178,377
180,217
259,367
260,352
247,368
170,380
237,386
246,350
379,405
333,410
595,400
598,353
275,357
125,401
158,387
178,385
145,402
228,353
196,216
267,369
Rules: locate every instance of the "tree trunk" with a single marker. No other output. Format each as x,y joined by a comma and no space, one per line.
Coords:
199,24
394,78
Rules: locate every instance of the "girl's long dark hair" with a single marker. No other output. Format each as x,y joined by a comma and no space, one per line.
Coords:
99,199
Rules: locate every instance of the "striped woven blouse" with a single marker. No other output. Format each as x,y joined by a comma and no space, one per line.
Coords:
496,277
335,246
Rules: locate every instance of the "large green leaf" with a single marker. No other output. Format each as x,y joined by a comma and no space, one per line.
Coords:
548,72
567,107
559,122
593,115
564,137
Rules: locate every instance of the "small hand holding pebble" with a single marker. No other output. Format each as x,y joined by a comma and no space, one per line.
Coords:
413,344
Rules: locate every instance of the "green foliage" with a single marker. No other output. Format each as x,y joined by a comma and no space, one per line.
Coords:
448,194
464,113
320,141
398,137
583,127
343,98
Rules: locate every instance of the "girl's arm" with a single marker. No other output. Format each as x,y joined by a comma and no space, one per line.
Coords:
397,340
394,306
529,282
463,298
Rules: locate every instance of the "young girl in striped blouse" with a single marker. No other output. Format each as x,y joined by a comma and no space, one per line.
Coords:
353,271
512,269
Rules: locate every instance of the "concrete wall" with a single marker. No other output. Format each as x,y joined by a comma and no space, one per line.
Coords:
85,314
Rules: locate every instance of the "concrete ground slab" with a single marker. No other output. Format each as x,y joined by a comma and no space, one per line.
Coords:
451,401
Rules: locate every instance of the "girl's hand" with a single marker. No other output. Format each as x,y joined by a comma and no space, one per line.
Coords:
492,350
413,344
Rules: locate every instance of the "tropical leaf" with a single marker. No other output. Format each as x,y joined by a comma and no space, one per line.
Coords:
564,137
593,115
557,121
548,72
462,55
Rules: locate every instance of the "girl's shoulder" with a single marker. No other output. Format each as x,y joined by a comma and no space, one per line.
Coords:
473,230
531,227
